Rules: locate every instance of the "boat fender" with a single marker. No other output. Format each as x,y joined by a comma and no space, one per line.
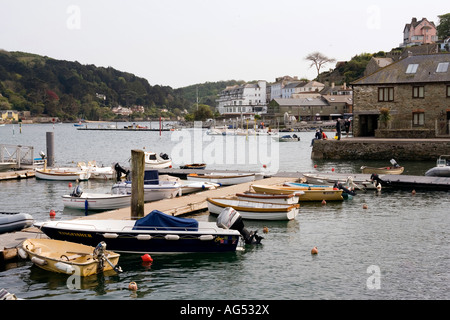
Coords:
38,261
143,237
172,237
22,253
110,235
64,267
206,237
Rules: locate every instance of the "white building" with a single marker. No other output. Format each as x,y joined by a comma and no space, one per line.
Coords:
243,99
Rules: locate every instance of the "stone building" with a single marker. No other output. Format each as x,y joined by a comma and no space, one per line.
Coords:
415,90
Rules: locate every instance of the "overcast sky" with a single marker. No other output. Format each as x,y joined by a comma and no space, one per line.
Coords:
184,42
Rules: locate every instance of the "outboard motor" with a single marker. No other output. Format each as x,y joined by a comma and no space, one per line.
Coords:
164,156
120,171
394,163
231,219
77,192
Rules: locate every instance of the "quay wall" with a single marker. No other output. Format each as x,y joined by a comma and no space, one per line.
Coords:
380,149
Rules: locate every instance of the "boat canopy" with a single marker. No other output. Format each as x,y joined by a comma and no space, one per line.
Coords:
160,220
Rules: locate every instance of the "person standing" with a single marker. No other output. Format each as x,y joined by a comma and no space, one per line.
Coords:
347,126
338,128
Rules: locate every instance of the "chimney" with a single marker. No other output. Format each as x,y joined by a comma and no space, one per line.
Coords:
414,20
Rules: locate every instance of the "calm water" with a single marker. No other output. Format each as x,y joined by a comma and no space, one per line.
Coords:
398,248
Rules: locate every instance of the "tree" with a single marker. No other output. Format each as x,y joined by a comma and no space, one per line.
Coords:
318,60
443,29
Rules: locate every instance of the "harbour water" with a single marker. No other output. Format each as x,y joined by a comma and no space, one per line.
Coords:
396,249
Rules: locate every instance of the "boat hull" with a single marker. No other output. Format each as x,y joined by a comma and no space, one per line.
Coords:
308,195
385,170
64,257
61,175
152,192
14,221
120,236
224,180
269,198
97,201
252,210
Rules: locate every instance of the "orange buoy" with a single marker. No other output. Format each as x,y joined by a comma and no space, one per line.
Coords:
52,213
365,206
266,230
324,202
314,250
132,286
147,258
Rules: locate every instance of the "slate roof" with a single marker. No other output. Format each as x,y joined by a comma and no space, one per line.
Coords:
395,73
302,102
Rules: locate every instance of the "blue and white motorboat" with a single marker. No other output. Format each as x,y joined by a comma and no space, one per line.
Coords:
157,232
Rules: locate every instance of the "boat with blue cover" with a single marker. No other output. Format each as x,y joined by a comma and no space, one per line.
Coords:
157,232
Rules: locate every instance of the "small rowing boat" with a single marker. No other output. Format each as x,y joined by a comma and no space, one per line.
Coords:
69,257
199,166
308,195
254,210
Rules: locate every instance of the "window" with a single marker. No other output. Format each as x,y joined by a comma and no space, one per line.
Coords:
412,68
448,91
442,67
386,94
418,92
418,118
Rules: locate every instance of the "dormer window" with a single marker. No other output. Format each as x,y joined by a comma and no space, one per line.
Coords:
442,67
412,68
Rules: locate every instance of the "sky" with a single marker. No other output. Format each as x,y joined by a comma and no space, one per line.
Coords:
178,43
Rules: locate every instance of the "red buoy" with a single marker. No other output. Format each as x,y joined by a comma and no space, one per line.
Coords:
70,184
147,258
52,213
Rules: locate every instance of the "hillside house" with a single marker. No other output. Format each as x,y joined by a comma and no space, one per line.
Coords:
416,91
419,32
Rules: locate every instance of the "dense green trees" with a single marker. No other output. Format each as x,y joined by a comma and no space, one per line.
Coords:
443,29
70,90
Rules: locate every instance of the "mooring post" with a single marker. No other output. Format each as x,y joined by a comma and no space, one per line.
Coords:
137,184
50,149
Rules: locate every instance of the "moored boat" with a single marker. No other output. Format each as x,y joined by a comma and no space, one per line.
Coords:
152,192
308,195
288,138
361,182
198,166
394,169
14,221
157,232
157,161
224,179
62,174
69,257
95,201
442,168
270,198
254,210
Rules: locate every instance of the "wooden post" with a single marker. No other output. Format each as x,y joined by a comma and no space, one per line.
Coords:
50,148
137,184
